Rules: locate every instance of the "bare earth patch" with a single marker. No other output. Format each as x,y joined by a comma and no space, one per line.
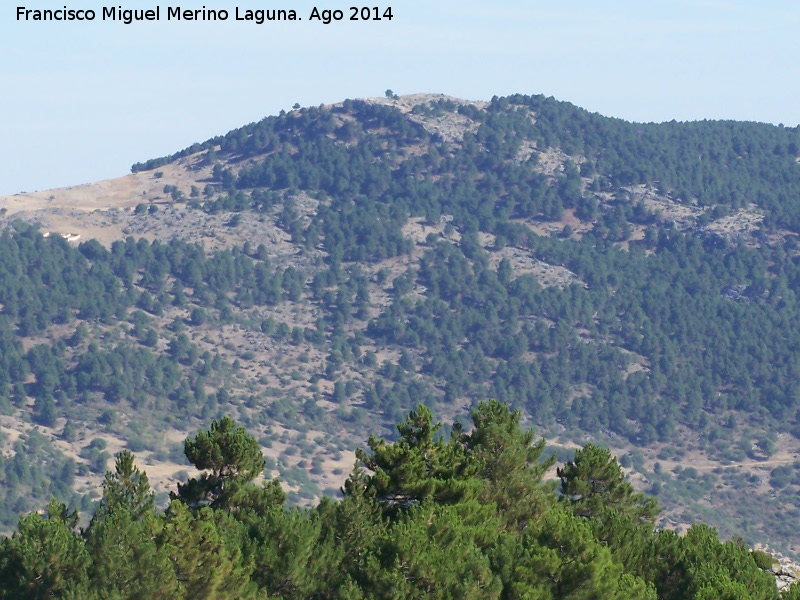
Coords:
523,263
741,224
450,126
682,215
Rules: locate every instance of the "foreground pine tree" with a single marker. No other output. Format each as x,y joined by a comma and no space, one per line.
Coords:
425,517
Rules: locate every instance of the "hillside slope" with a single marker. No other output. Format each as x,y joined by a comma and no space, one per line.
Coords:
323,271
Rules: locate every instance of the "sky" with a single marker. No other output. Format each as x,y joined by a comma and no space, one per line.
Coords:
82,101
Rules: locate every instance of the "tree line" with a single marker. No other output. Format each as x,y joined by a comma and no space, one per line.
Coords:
467,515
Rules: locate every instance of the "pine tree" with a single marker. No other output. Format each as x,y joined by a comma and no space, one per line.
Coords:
127,560
233,458
417,466
511,464
207,560
45,558
593,481
122,538
127,488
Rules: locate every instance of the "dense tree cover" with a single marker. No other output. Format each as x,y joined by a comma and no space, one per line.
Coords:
33,473
45,282
677,328
423,517
707,352
86,375
716,162
667,299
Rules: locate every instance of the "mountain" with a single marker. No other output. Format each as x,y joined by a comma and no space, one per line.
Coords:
321,272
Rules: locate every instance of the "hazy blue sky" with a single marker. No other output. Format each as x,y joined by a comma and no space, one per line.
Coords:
83,101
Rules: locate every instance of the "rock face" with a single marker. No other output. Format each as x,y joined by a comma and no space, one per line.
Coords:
785,570
786,573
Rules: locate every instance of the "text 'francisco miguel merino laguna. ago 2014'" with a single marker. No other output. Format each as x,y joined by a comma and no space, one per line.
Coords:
176,13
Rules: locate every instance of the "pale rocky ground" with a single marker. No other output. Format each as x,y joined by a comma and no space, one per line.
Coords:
786,571
451,127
